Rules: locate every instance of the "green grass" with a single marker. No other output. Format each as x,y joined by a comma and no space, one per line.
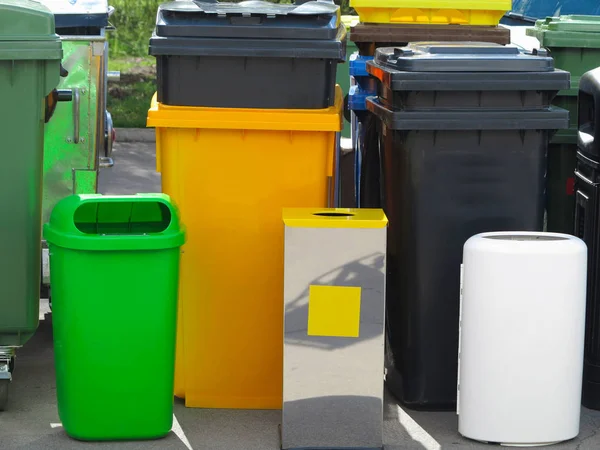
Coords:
129,99
134,21
129,108
126,65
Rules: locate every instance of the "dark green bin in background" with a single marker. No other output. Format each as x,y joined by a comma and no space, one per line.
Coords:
574,43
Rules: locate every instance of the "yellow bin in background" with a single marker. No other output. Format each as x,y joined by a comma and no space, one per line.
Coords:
457,12
230,172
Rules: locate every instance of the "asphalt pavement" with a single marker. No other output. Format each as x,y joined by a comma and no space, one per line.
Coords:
31,421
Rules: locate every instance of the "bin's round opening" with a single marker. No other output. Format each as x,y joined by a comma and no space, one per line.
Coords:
333,214
526,237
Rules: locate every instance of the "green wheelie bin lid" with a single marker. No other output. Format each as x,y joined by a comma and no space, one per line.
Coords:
567,31
114,223
27,31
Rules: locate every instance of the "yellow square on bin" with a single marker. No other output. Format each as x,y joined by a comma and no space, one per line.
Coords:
334,311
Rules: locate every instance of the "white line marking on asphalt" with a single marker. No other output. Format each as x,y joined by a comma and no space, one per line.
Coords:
180,434
55,425
416,432
44,308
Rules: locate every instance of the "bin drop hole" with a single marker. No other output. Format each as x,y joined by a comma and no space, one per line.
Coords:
333,214
122,218
526,237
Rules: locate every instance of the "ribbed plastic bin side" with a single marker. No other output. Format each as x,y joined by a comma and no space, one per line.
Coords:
560,183
370,36
469,76
567,100
248,55
243,166
446,177
457,12
114,342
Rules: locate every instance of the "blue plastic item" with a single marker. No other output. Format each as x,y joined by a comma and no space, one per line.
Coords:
526,12
358,70
357,98
358,65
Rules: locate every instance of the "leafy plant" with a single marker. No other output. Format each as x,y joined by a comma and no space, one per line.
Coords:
134,22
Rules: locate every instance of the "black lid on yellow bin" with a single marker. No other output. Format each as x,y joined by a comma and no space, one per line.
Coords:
310,29
250,19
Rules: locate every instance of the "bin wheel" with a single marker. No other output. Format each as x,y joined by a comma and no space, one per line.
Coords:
3,394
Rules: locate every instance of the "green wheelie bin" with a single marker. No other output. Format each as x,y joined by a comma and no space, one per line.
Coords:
114,341
30,55
574,43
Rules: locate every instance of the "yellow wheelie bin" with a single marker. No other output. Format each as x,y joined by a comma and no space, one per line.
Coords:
230,172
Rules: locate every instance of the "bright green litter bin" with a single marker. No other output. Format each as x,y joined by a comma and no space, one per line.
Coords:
114,274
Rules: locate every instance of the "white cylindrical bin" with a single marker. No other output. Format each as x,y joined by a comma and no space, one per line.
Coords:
522,330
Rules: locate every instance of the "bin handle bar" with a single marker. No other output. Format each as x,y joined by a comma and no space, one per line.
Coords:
76,110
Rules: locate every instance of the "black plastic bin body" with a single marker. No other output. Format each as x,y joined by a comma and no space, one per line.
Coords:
560,188
446,177
370,172
587,213
587,225
465,76
248,55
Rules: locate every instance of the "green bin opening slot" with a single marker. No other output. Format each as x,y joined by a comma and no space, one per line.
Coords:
122,218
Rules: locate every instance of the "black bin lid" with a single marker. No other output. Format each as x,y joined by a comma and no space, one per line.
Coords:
463,57
79,13
256,29
311,20
466,66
